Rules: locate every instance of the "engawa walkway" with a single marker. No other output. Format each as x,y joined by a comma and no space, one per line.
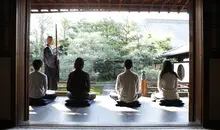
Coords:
103,112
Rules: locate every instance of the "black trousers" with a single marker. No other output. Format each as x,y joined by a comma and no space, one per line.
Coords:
89,97
49,96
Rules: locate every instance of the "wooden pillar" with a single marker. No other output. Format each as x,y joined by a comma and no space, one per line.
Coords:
14,43
205,63
196,61
211,64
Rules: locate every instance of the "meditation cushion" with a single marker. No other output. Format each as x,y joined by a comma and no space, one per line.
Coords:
131,104
39,102
175,103
78,103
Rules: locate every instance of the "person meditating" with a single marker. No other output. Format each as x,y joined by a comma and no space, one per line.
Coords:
78,84
167,86
38,85
127,85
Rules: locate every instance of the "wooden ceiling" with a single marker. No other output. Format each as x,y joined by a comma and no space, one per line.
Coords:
49,6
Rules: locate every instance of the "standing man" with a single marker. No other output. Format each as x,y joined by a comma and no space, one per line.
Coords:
51,65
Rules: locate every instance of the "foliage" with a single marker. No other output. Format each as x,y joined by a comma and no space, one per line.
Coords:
104,45
105,69
151,73
38,37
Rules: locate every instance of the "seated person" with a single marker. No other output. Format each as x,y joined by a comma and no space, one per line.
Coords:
167,84
127,85
78,84
38,83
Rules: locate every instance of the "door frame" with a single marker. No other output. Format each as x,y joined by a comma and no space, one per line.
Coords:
196,90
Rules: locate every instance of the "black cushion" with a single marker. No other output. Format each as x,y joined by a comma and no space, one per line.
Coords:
175,103
78,103
131,104
39,102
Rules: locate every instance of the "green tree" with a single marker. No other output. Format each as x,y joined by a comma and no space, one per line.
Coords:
89,46
38,37
65,35
103,45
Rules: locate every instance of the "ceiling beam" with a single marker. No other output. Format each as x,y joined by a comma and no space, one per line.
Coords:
179,2
186,4
120,4
152,4
87,3
98,1
95,4
109,4
83,8
174,4
165,1
130,4
142,2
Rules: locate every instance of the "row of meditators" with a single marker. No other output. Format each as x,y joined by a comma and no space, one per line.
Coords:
78,84
127,84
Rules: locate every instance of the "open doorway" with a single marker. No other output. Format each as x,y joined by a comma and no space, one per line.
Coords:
153,37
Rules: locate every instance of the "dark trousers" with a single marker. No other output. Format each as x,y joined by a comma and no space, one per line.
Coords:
89,97
46,96
115,97
49,96
52,83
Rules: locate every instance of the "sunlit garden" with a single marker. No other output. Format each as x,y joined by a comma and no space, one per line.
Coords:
103,44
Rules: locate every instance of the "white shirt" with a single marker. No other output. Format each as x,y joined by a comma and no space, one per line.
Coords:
127,86
167,86
37,84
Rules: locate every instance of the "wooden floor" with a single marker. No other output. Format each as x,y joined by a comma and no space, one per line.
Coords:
103,112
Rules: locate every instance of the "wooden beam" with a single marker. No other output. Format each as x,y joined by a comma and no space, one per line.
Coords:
109,4
142,2
186,3
130,3
105,6
165,1
121,1
152,4
77,1
94,4
174,4
179,2
87,3
98,1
